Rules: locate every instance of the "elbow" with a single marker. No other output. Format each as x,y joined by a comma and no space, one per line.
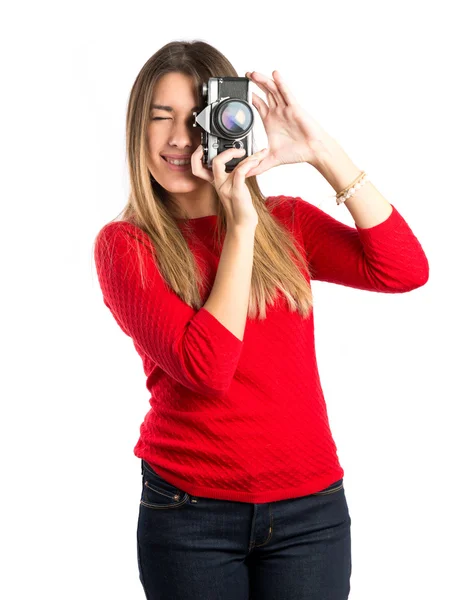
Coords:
411,285
219,393
207,366
216,383
209,390
211,379
422,275
411,279
422,281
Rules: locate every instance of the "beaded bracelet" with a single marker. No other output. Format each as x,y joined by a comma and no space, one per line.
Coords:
352,188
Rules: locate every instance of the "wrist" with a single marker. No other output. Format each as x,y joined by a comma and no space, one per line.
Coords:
242,231
335,165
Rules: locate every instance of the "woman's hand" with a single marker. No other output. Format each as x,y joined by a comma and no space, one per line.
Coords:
231,187
293,135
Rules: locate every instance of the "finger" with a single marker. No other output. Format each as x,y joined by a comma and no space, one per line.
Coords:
270,98
219,164
240,173
228,158
273,87
272,103
264,165
260,105
256,169
270,88
250,162
197,166
255,155
285,92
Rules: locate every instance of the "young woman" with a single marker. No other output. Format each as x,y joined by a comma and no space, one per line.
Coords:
242,490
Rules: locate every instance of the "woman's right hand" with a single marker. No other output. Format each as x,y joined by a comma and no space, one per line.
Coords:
230,187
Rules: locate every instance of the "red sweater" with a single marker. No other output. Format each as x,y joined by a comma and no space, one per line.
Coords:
245,420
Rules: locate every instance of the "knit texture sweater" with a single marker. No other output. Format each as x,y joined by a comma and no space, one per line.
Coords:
244,420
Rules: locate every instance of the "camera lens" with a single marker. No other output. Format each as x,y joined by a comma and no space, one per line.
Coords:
234,118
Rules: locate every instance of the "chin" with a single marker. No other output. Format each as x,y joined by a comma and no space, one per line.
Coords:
179,186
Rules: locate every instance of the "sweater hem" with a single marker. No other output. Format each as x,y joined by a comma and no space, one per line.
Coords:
317,484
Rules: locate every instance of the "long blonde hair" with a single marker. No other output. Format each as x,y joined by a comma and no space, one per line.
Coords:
274,271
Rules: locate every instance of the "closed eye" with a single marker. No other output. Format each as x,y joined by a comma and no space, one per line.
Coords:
165,119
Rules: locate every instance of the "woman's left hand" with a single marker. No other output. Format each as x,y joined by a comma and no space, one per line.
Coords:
293,135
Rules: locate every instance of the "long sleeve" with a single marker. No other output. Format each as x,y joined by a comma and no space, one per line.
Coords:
193,347
384,258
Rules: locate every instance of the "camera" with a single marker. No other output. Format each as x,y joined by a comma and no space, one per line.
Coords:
227,120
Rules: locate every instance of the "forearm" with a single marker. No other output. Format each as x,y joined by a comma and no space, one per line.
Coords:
229,298
367,206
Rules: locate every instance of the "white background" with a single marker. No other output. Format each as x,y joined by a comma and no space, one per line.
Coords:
390,83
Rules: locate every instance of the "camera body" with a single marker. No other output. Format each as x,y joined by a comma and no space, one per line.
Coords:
227,120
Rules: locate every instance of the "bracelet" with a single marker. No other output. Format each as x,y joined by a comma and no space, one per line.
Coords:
352,188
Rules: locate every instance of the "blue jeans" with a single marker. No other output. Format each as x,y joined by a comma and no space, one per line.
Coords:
207,549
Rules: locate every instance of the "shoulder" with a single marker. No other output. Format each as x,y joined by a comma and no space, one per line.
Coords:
281,204
120,232
298,208
119,228
284,207
121,239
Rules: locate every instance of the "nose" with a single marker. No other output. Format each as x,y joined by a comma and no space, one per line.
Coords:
184,134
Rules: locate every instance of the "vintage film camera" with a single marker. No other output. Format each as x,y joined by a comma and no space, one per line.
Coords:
227,119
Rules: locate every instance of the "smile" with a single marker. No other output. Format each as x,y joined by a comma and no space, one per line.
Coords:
177,165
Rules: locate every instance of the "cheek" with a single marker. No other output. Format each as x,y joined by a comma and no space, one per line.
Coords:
154,148
154,140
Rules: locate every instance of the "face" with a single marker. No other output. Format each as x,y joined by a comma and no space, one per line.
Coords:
172,132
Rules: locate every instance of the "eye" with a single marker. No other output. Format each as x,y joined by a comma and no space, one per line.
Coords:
190,120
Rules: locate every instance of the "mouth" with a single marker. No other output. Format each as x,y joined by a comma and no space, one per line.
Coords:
176,156
173,167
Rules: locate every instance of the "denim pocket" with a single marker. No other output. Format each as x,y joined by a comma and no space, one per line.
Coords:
159,493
